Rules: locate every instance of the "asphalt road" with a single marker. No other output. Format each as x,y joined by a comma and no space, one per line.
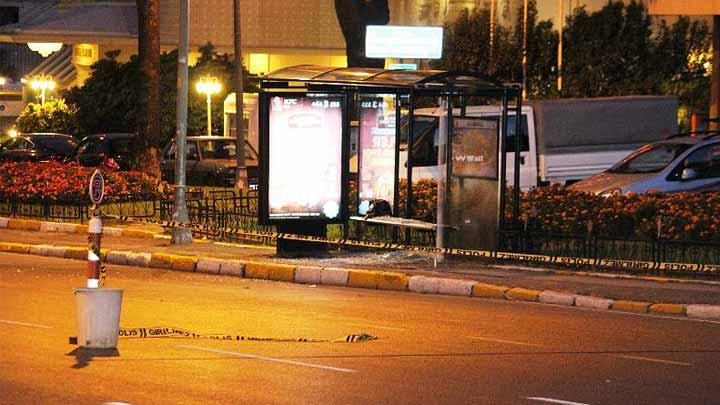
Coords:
430,349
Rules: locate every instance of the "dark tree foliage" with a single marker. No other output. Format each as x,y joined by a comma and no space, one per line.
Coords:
107,102
613,51
354,16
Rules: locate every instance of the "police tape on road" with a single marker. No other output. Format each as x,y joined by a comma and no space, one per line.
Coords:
172,332
627,265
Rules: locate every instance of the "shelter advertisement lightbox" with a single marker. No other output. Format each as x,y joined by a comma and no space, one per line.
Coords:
305,157
377,149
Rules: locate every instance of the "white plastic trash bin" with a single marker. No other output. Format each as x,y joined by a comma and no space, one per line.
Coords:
98,316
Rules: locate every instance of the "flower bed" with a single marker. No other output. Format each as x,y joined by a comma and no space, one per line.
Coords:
678,216
66,182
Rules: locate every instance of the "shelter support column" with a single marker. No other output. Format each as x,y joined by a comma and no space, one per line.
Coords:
715,85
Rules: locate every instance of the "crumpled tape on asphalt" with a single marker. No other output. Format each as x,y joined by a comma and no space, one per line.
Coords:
172,332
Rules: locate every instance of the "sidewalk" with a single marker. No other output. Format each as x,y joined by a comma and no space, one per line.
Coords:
388,270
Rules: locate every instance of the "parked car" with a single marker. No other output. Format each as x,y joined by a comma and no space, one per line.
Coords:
210,161
109,150
686,162
36,147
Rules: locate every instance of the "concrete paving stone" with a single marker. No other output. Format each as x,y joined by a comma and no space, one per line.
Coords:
66,228
117,257
183,263
48,226
281,272
392,281
82,229
308,275
76,253
424,285
484,290
587,301
137,233
703,311
557,298
208,265
161,260
523,294
110,231
452,286
363,279
56,251
670,309
14,247
257,270
139,259
232,268
23,224
4,222
640,307
334,276
39,250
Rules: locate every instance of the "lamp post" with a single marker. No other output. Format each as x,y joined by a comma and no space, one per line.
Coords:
42,83
208,86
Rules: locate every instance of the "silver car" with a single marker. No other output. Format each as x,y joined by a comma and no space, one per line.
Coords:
679,163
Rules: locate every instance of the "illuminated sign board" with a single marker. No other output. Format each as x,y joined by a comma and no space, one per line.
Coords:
377,150
388,41
304,152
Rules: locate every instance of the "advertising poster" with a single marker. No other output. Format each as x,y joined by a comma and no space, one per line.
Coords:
475,148
377,150
305,157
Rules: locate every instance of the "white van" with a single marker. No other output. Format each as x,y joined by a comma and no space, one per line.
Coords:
563,141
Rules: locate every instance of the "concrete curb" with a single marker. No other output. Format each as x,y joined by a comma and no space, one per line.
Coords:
585,301
557,298
371,279
703,311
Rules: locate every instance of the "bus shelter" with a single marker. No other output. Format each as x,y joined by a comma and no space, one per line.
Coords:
398,128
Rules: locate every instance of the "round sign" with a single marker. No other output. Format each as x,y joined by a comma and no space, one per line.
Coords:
97,187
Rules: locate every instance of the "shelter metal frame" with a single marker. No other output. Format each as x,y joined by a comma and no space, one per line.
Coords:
411,85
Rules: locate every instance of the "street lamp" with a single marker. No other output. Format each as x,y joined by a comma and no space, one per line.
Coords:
208,86
42,83
2,81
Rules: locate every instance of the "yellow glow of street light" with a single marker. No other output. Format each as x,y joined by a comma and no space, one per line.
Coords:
13,133
42,83
208,86
2,81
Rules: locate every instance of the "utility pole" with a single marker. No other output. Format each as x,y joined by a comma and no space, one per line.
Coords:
524,49
560,23
241,178
181,235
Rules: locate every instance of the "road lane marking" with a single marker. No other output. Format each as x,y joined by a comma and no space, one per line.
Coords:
555,401
512,342
677,363
271,359
32,325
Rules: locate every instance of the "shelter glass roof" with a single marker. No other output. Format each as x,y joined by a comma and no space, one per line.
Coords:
379,77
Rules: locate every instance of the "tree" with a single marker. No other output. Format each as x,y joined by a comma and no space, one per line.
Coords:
54,116
354,16
466,47
108,101
146,152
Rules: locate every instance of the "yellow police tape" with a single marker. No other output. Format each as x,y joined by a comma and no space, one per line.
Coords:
631,265
172,332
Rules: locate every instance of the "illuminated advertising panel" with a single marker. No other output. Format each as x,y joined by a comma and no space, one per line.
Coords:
392,41
305,138
377,150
